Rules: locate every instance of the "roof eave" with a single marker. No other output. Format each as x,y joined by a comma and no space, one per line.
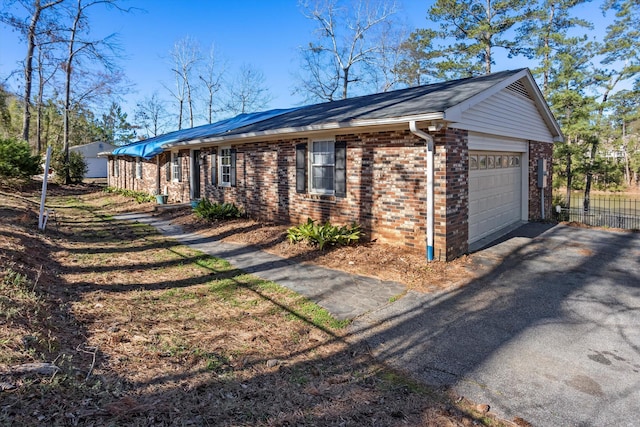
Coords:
454,114
325,127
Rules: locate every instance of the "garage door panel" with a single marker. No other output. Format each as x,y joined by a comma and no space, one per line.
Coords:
495,195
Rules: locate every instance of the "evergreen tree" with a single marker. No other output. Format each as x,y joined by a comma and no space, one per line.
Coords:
546,34
475,29
115,128
621,62
568,94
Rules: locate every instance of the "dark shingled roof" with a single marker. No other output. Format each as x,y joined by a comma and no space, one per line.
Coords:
426,99
415,101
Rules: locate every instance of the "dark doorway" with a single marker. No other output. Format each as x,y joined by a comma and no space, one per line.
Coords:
195,174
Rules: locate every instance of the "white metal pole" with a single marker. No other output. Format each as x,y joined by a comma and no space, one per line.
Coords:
43,198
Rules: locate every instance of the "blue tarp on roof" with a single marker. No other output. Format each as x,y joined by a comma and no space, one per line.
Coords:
151,147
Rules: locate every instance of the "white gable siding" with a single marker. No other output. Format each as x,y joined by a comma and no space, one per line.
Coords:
508,114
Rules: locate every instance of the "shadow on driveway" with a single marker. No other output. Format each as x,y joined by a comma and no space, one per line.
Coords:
550,333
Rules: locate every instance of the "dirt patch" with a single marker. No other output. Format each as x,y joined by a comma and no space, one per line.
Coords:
144,331
383,261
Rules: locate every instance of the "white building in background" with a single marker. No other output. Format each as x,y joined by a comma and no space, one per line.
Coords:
96,166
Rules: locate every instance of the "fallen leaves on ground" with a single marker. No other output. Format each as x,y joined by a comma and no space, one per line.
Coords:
145,331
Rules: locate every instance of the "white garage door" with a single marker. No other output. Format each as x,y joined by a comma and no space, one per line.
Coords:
495,192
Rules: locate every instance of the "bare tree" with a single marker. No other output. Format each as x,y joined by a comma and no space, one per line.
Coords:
46,69
248,92
211,75
151,114
389,56
94,50
30,30
185,55
346,45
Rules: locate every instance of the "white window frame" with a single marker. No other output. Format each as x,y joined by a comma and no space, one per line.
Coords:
224,162
315,163
138,168
176,166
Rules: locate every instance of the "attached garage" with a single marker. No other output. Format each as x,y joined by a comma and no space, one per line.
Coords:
495,192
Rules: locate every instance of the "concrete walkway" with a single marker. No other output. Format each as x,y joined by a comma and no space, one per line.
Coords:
344,295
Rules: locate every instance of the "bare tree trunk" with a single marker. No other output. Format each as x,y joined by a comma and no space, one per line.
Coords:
28,70
587,187
345,82
190,102
67,89
28,63
569,179
487,42
39,120
487,57
547,50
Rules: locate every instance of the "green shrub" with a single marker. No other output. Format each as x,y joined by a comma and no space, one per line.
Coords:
16,160
213,211
139,196
324,234
76,167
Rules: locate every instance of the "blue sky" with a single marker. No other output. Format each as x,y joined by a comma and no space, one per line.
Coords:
265,34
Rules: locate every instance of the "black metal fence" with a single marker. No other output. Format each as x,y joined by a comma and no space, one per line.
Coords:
613,212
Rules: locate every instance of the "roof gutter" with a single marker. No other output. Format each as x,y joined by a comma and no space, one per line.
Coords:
354,123
429,172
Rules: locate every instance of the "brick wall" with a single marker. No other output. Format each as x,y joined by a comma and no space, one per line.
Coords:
451,184
539,150
386,186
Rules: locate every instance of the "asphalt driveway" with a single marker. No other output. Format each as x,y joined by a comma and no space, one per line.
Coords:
550,332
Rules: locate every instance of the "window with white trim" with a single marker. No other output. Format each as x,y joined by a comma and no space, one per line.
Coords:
176,166
322,164
224,167
138,168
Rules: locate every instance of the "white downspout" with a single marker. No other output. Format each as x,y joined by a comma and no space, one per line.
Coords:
429,172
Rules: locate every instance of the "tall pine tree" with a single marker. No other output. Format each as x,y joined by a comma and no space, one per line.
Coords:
475,30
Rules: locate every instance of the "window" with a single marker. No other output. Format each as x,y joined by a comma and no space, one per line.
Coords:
490,162
323,167
138,168
224,167
473,162
482,161
176,166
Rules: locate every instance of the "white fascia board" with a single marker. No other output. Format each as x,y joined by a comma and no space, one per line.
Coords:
454,114
543,107
352,124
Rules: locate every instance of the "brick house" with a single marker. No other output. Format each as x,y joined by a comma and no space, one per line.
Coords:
435,168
